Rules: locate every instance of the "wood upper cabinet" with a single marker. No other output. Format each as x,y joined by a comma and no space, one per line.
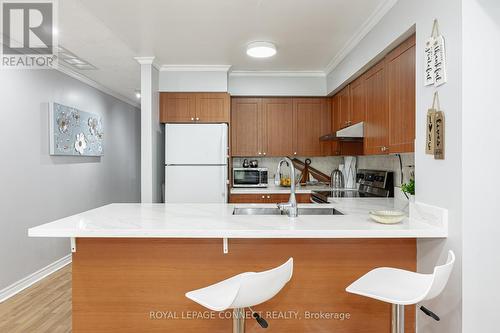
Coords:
340,107
212,107
400,69
343,102
376,124
312,119
177,107
357,104
278,135
281,126
194,107
246,129
335,145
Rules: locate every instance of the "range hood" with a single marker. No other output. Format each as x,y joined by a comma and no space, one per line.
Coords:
354,133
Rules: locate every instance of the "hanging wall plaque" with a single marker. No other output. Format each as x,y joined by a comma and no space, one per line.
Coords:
435,58
429,143
439,136
434,143
429,78
439,61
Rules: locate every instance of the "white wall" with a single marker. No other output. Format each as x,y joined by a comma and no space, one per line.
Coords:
276,84
437,182
480,140
36,188
193,81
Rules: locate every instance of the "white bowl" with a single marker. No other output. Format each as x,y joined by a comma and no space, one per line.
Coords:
387,216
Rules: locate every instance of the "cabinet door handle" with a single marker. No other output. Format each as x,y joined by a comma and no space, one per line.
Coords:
384,148
295,153
197,118
269,197
259,153
263,153
192,119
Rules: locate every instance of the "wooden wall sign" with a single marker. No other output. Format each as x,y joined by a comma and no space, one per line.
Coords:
431,119
434,142
435,58
429,62
439,136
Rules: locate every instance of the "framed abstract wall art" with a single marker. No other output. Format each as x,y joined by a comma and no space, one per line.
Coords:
74,132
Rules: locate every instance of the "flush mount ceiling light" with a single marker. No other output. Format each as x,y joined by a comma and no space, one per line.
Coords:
261,49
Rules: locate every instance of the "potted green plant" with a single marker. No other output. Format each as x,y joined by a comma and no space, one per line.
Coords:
409,189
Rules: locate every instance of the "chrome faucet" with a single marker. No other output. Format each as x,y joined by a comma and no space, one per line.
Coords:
291,206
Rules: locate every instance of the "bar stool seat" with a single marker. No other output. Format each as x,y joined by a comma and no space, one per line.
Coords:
400,287
242,291
393,285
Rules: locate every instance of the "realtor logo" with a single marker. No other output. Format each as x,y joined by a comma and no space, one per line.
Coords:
28,38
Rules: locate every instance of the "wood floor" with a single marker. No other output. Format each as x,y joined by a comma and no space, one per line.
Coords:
43,307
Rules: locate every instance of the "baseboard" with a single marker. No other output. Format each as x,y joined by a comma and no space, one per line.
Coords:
33,278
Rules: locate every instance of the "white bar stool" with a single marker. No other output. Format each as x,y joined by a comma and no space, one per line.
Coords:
244,291
400,288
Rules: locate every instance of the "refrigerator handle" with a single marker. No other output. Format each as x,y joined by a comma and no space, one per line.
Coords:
226,183
224,142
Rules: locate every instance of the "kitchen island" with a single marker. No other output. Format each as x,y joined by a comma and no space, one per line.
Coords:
133,263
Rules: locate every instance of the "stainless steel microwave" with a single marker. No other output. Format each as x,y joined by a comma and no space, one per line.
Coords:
250,177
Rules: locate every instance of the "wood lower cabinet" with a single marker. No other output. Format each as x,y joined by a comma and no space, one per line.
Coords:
268,198
376,125
246,128
400,67
194,107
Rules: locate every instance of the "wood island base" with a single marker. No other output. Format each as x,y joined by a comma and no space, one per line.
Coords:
138,285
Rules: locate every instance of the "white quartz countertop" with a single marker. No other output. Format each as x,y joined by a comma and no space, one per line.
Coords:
218,221
273,189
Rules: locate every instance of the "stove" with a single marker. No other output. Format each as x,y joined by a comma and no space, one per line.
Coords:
371,183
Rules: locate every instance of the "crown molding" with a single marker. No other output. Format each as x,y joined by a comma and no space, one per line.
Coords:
277,74
147,61
85,79
195,68
367,26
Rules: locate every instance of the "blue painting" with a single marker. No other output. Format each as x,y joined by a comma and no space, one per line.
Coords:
74,132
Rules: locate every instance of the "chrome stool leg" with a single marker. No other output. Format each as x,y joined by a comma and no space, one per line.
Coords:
239,320
398,319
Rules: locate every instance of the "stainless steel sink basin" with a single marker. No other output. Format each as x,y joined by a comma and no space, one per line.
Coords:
276,211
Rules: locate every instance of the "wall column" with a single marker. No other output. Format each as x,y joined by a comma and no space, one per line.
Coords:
152,155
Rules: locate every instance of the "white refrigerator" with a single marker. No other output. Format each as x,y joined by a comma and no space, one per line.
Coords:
196,163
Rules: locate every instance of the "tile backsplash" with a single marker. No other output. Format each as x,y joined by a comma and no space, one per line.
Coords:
327,164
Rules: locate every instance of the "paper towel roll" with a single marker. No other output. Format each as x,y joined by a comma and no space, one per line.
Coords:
350,172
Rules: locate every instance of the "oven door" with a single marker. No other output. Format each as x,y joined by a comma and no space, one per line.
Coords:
246,178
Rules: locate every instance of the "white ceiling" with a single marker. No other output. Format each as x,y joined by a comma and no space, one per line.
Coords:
310,34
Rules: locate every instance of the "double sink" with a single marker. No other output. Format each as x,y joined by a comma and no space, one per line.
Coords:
277,211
